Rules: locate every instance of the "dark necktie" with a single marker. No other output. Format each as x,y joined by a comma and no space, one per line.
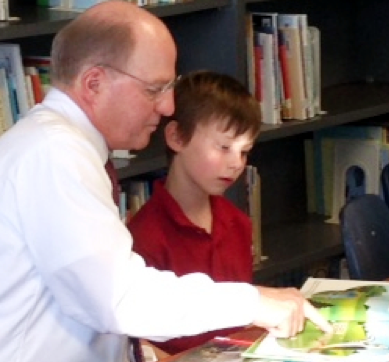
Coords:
110,168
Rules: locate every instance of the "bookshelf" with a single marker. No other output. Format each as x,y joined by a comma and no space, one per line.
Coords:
354,89
211,34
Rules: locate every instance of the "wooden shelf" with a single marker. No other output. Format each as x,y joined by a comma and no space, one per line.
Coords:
152,158
36,21
254,1
343,104
294,244
186,7
142,164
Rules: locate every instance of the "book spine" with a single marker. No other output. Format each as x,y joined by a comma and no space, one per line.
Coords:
289,25
306,57
286,110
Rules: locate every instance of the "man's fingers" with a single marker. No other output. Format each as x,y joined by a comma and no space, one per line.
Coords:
315,317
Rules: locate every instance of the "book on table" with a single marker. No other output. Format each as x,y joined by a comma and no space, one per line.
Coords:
215,350
358,311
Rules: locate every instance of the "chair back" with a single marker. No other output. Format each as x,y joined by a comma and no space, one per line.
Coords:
364,223
385,183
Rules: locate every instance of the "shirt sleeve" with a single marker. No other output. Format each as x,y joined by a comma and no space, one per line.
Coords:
84,254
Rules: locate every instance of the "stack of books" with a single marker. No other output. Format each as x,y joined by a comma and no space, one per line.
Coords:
284,66
21,85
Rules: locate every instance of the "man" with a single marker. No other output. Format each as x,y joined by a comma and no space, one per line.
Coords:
72,289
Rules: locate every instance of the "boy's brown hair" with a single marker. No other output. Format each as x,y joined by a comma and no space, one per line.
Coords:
203,96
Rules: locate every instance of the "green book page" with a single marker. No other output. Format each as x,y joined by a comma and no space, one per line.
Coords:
359,314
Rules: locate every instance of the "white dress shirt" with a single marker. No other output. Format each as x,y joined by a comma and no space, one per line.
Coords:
71,289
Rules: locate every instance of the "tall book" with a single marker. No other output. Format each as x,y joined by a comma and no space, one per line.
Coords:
250,53
30,91
36,83
258,70
42,64
6,111
253,184
270,104
289,24
11,61
266,22
286,105
314,40
307,61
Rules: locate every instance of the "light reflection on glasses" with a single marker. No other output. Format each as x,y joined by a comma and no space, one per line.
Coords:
153,91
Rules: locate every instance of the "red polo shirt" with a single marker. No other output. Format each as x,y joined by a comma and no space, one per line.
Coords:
168,240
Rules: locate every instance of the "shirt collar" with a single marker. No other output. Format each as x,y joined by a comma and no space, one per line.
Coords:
221,217
63,105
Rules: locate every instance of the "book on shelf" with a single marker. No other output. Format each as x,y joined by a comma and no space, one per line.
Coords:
36,83
29,90
253,185
358,311
11,61
6,117
42,65
286,105
314,40
251,62
286,80
307,61
269,103
289,25
138,189
258,71
265,23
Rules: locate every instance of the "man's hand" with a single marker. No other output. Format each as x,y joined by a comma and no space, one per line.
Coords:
283,311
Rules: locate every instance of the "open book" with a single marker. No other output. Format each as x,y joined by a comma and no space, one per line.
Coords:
359,312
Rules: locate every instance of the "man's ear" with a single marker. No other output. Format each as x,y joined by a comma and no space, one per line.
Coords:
90,83
172,136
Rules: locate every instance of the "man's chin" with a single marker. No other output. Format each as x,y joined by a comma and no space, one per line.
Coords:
141,143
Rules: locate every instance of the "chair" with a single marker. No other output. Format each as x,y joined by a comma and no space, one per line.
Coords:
385,183
364,223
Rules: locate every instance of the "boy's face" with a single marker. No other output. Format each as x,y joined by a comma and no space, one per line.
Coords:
214,158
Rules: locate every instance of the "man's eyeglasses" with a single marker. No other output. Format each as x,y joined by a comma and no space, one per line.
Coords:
154,92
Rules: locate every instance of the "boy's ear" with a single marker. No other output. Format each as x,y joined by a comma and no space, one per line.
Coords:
172,136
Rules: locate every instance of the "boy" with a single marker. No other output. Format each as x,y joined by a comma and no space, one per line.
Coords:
187,225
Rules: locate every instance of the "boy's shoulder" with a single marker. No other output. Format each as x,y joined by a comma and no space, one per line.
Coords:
222,205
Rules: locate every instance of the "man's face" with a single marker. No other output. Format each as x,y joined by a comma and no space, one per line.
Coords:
132,106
